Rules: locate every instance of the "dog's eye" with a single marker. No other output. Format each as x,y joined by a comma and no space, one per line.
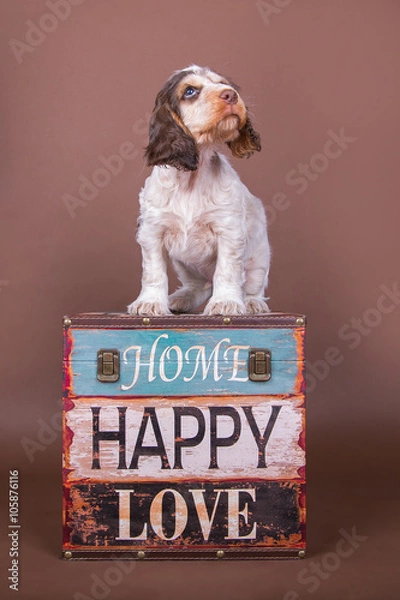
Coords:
190,92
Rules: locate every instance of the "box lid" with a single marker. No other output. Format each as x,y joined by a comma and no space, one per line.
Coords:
124,320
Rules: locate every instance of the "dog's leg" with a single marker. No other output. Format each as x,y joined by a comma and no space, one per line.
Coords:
227,297
255,284
194,291
153,298
256,274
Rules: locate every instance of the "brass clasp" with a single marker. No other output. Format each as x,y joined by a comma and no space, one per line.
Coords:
259,364
108,365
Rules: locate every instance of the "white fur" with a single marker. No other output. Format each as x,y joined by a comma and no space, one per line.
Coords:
214,231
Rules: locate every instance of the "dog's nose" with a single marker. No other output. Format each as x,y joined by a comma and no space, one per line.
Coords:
229,96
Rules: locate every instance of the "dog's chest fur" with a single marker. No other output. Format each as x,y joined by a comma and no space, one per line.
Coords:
189,210
189,239
189,233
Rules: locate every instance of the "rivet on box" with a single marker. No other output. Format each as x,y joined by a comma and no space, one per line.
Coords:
302,554
67,322
227,320
141,555
300,321
220,554
146,321
67,554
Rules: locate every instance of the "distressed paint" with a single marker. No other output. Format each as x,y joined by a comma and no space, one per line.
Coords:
284,456
300,384
212,495
160,362
67,365
269,515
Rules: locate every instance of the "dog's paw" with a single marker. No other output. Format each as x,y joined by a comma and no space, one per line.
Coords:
256,305
148,308
181,301
224,307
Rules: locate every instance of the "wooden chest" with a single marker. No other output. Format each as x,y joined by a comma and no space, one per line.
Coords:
184,437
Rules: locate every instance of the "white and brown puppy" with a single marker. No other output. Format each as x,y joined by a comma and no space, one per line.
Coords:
194,207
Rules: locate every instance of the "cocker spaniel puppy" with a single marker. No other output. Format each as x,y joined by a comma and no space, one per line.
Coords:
194,207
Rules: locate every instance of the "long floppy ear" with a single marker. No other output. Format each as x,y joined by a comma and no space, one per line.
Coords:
170,142
246,143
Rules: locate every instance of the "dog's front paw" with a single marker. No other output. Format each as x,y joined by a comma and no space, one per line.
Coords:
150,308
183,300
225,307
256,305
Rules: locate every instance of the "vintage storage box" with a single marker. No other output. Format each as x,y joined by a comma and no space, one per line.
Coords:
184,437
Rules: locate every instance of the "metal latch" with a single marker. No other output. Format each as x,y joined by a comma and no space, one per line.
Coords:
108,365
259,364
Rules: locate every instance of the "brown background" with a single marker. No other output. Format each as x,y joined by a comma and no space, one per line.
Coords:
317,65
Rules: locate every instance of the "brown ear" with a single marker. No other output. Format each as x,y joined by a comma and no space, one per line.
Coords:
170,142
246,143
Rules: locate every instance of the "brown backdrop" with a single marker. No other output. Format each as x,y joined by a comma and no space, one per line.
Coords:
311,70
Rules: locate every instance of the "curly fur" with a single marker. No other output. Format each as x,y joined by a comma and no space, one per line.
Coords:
194,208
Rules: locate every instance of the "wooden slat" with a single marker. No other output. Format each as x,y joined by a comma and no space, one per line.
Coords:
185,515
282,457
178,362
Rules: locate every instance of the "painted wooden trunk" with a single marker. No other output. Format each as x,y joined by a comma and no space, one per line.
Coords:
184,437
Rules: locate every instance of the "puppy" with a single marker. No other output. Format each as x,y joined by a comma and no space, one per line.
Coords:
194,207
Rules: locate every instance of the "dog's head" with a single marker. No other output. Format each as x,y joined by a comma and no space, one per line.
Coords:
196,108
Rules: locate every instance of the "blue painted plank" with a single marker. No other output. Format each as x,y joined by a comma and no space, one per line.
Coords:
185,362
